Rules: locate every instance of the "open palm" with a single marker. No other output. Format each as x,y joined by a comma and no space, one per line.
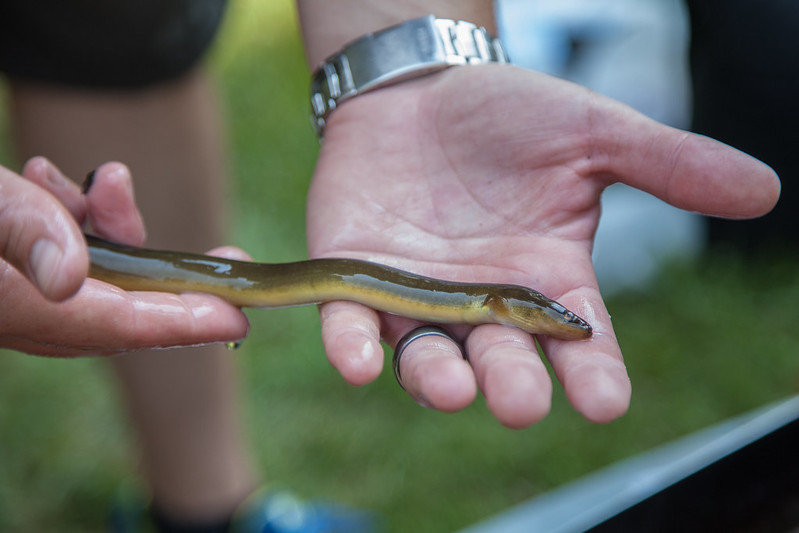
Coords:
493,174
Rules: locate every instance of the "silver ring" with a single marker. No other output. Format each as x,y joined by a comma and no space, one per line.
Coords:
408,338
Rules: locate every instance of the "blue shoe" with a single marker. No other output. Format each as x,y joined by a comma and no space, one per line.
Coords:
265,511
129,513
282,512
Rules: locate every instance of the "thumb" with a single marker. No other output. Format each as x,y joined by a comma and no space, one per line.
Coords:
40,238
688,171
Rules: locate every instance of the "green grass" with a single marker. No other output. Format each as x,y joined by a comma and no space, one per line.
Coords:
705,342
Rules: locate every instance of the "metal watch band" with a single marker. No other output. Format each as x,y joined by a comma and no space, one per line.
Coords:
408,50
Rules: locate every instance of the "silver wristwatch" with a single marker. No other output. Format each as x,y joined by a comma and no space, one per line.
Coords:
408,50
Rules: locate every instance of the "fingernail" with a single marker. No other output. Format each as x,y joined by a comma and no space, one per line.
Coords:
45,263
422,401
87,183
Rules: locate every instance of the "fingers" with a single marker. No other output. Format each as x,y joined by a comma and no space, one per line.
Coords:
503,363
41,238
429,364
38,235
111,206
689,171
102,319
511,375
433,370
351,337
230,252
46,175
109,202
591,371
516,384
506,367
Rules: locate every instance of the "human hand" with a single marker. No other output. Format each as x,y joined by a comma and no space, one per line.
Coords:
493,174
47,304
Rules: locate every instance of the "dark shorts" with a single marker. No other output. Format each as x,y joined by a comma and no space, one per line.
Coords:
105,43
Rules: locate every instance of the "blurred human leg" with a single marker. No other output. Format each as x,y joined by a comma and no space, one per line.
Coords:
181,403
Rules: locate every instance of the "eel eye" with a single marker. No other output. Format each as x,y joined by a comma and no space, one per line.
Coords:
568,316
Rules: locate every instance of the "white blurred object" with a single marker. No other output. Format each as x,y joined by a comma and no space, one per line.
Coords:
638,234
633,51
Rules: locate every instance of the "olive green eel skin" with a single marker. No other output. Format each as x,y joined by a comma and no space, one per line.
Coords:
315,281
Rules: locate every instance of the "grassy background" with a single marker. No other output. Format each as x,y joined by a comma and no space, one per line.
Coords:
705,342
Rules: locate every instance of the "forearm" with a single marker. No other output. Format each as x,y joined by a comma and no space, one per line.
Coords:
327,26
